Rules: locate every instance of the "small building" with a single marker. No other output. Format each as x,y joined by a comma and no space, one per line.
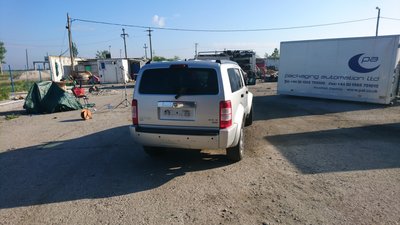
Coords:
113,70
134,66
60,67
108,70
88,65
118,70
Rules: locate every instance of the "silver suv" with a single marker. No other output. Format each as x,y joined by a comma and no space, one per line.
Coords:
191,105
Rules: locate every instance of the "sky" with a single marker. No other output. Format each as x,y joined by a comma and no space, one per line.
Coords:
39,27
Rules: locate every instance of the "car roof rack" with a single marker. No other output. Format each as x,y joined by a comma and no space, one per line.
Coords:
224,61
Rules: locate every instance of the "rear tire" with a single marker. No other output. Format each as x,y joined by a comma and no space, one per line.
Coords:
235,153
249,118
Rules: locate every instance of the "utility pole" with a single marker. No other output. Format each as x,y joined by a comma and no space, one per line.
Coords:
151,48
70,44
377,20
145,50
123,36
27,62
195,50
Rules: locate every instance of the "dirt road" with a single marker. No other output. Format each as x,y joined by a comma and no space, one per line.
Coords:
308,161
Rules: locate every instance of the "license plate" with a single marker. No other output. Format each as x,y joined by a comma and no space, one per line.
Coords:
176,110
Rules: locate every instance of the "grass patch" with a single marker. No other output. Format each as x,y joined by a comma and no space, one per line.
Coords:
19,86
11,116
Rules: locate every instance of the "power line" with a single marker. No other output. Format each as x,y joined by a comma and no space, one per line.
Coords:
98,42
223,30
64,37
22,45
62,53
388,18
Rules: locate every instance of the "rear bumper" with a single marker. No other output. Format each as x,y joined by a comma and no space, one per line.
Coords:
185,138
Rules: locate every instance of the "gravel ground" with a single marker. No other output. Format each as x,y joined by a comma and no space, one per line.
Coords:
308,161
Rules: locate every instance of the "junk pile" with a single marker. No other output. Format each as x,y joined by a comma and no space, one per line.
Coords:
48,97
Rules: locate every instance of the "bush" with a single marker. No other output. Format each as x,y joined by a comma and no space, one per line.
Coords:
4,95
19,86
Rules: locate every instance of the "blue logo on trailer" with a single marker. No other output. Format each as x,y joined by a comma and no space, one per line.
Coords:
354,63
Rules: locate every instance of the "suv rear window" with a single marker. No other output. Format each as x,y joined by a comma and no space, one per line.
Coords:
186,81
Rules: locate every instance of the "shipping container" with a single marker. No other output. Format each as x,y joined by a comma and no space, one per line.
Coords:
364,69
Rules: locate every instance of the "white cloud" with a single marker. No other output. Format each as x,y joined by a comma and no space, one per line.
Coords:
159,20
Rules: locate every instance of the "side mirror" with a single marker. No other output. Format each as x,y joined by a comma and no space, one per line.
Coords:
251,81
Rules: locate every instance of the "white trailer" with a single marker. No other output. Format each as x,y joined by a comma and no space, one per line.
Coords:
113,70
364,69
60,67
271,62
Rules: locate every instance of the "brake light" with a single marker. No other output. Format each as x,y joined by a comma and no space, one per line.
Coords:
225,114
178,66
135,116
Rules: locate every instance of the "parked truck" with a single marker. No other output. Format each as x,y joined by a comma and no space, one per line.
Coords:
246,59
364,69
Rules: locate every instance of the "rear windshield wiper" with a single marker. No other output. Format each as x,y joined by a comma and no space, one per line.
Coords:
181,91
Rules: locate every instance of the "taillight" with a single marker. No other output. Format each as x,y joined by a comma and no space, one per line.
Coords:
225,114
135,116
178,66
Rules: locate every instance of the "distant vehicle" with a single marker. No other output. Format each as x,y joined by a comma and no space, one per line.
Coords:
272,76
245,58
364,69
261,64
192,105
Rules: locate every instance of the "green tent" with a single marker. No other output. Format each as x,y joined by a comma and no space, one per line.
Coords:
48,97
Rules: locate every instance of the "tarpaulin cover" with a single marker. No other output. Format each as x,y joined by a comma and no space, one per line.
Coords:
48,97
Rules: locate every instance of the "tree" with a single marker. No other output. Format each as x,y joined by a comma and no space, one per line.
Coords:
74,50
161,58
102,54
2,56
275,54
